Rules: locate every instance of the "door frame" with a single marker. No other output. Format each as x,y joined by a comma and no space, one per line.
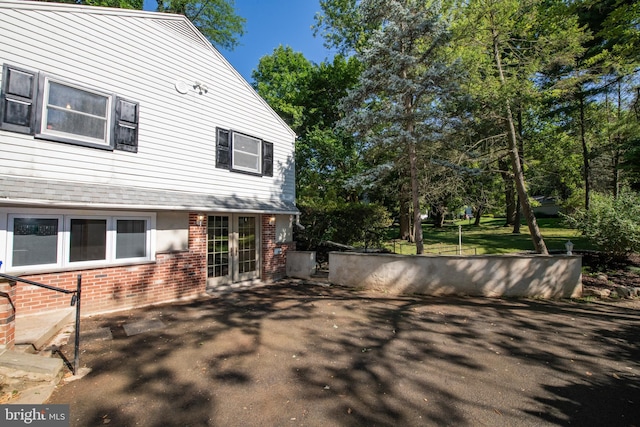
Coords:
233,252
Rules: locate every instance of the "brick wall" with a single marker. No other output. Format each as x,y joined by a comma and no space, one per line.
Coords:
176,275
274,266
7,314
173,276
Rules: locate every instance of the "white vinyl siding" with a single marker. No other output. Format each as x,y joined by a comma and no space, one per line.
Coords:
177,137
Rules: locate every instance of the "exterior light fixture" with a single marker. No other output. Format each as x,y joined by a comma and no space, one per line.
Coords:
200,220
569,246
201,87
272,220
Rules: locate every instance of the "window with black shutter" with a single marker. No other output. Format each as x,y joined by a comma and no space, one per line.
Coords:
55,109
222,149
267,158
125,132
19,94
243,153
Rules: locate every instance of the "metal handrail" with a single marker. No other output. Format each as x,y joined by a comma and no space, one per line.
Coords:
75,301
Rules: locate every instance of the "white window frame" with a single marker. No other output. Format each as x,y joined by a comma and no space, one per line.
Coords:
64,238
71,137
67,241
59,246
258,156
115,220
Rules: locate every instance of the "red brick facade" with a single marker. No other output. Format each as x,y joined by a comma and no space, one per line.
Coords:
7,314
274,264
172,276
176,275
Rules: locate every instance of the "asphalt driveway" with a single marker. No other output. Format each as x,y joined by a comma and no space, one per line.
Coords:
303,354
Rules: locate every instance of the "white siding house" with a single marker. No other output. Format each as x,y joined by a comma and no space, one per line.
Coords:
127,140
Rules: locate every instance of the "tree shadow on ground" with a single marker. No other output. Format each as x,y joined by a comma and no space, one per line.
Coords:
299,353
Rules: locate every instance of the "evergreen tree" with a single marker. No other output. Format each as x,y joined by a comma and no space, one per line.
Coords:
395,104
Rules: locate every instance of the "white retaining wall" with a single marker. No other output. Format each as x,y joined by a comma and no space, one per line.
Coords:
542,276
301,264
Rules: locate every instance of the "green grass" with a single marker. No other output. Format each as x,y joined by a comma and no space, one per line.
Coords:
491,237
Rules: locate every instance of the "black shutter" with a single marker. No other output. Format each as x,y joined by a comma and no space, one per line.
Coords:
125,133
223,149
18,96
267,158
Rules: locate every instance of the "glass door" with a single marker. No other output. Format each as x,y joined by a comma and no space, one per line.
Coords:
232,249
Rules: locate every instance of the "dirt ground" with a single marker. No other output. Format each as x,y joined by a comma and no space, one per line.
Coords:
303,354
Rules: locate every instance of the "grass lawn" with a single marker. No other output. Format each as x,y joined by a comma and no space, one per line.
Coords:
491,237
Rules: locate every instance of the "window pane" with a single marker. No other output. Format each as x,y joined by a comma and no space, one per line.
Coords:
35,241
246,152
76,124
88,240
74,99
131,238
76,112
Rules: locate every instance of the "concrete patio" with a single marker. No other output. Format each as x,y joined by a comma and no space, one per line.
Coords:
305,353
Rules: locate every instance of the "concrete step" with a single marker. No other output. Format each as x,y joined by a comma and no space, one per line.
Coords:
33,378
36,330
30,366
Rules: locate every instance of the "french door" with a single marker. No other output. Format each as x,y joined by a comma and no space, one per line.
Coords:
232,248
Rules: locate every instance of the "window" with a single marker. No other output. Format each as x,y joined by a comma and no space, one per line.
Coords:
75,114
67,112
131,238
243,153
35,241
87,240
246,153
39,241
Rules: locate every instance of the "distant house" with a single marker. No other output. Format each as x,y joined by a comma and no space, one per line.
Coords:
134,154
546,206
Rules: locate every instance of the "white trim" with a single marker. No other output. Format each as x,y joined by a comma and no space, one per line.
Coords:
79,205
64,218
44,132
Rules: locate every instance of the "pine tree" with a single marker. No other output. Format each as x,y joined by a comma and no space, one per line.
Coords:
395,104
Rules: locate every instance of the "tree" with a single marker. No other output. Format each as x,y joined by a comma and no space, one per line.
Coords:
396,101
511,43
122,4
282,79
216,19
611,223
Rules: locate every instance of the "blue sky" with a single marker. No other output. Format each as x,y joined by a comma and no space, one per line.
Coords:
271,23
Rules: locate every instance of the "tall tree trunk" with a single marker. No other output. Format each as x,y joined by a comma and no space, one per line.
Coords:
405,220
586,163
509,192
536,236
517,218
417,220
478,215
517,221
616,148
438,217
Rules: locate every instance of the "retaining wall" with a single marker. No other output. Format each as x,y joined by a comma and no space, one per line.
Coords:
301,264
541,276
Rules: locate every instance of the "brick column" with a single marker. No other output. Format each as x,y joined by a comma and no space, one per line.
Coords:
7,314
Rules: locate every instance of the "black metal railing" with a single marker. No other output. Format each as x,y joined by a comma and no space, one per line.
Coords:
75,301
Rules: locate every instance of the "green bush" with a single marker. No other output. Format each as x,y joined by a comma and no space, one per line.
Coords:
356,224
611,224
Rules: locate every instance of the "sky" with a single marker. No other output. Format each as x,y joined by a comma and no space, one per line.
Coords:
270,23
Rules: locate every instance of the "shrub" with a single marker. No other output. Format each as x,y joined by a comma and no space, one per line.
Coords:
611,224
359,224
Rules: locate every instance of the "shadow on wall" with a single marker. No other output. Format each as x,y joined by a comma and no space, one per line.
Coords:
483,275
